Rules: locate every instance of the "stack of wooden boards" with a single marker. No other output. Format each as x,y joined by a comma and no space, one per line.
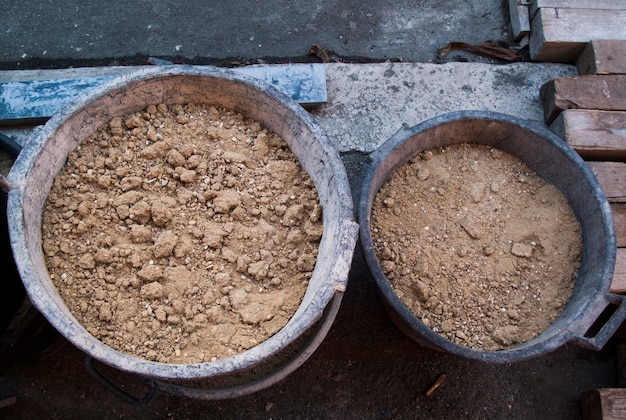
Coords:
588,111
560,29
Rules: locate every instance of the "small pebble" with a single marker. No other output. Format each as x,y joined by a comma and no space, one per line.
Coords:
521,250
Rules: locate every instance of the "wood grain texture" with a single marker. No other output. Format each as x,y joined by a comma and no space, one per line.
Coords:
618,285
535,5
583,92
520,19
593,134
561,34
612,179
603,56
604,404
619,219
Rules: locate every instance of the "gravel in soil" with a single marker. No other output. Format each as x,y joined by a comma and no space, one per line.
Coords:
182,234
478,246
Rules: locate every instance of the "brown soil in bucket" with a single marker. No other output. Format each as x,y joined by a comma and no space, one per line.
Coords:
182,234
480,248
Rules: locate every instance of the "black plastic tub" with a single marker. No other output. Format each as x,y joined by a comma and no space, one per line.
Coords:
557,164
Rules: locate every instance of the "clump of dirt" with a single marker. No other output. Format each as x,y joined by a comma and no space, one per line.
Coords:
477,245
182,234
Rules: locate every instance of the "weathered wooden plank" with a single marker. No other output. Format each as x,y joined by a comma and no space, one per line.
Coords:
604,404
619,219
603,56
618,284
612,179
595,135
560,34
520,20
583,92
36,100
535,5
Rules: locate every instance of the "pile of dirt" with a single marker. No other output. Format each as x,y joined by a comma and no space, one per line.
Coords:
477,245
182,234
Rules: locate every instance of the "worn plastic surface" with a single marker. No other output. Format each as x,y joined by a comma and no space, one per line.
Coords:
34,101
45,154
558,164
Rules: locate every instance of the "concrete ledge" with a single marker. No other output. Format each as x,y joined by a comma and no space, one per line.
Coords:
367,103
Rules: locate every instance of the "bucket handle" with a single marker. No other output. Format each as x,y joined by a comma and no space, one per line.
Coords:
607,330
115,390
211,394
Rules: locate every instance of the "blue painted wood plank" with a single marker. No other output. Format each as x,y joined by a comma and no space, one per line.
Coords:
35,101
